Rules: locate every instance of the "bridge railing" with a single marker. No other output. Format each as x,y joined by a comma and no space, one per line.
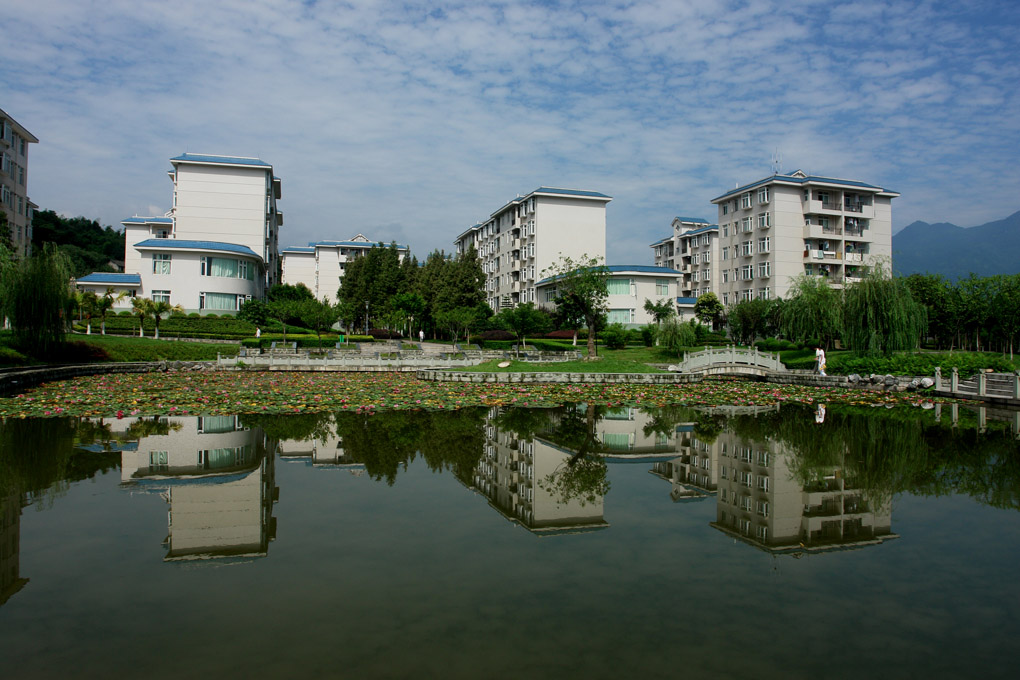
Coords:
730,355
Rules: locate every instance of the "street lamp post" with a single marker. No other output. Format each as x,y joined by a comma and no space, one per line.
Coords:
366,317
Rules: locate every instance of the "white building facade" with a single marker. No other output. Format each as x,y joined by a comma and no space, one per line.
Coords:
783,226
320,265
529,234
215,249
14,143
629,287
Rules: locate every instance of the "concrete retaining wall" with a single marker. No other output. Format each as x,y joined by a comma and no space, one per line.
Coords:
530,378
16,380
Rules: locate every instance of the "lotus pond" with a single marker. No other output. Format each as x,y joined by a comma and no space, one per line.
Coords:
782,534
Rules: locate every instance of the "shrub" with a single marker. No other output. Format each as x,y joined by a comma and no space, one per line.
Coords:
648,334
79,352
194,315
211,316
12,357
495,335
561,335
615,336
383,334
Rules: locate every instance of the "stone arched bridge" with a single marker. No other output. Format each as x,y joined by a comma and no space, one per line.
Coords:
730,360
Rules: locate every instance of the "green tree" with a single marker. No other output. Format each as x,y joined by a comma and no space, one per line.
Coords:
678,335
660,309
750,319
583,284
813,309
523,320
36,296
319,315
159,309
6,237
105,304
463,320
708,309
880,316
88,303
410,305
1006,310
142,308
254,311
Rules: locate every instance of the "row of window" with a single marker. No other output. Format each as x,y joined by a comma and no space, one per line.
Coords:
747,295
210,301
224,267
746,200
746,273
16,141
746,248
15,171
747,224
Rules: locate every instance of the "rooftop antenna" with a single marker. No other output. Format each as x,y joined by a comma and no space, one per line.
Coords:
777,162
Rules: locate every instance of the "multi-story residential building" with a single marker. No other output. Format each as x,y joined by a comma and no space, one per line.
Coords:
762,501
14,141
215,248
629,286
777,228
320,265
529,234
692,249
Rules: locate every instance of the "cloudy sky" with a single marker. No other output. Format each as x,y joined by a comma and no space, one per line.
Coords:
411,121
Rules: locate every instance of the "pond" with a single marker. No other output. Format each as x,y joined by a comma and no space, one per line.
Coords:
581,541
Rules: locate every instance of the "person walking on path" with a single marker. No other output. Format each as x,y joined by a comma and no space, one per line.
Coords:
258,332
820,361
421,335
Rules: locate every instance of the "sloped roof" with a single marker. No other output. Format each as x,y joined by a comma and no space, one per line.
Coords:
177,244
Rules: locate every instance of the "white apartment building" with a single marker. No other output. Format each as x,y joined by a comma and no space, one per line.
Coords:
14,141
215,248
528,235
777,228
629,286
320,265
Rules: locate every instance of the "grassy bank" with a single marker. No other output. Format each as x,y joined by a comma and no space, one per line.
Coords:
102,348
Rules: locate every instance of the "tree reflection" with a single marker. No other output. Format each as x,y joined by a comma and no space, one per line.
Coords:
584,476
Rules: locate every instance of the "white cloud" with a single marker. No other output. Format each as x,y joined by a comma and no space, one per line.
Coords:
411,121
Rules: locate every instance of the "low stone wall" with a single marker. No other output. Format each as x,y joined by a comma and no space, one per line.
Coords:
17,380
531,378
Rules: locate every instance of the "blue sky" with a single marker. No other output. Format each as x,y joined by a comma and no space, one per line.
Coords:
412,121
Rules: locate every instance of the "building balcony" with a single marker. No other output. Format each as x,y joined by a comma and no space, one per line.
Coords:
853,257
860,209
822,255
818,231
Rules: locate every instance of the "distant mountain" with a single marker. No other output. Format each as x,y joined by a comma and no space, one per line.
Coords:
955,252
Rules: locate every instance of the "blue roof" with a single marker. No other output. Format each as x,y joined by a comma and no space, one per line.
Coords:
176,244
697,220
701,230
619,268
686,300
298,249
219,160
111,278
804,180
148,220
551,190
355,244
662,240
643,268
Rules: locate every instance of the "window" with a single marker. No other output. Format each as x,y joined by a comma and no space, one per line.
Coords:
747,272
745,200
662,287
747,248
725,209
160,296
763,245
159,460
764,220
725,230
696,259
746,295
706,275
618,286
746,224
763,195
620,316
219,301
725,275
725,253
706,258
764,294
725,296
161,263
228,267
764,270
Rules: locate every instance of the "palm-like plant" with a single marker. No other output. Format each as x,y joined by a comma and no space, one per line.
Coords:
88,302
158,309
106,303
143,308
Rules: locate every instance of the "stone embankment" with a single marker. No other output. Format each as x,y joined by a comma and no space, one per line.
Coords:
16,380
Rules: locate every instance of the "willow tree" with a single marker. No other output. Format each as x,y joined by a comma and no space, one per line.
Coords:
880,315
36,295
813,309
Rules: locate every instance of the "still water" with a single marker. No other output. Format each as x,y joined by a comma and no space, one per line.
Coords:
576,542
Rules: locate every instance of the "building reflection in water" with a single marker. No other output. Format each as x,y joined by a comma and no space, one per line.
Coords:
216,477
325,450
509,475
10,546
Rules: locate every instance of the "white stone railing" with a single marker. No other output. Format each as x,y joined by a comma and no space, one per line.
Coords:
730,355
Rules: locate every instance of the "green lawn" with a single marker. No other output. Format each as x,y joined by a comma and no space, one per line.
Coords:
97,348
